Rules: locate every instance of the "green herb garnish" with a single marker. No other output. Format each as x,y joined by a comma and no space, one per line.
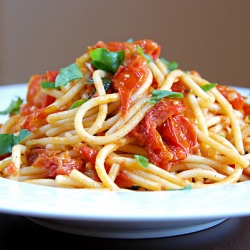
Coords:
105,60
143,161
106,83
147,57
208,86
158,95
13,108
171,65
77,103
67,74
48,85
7,141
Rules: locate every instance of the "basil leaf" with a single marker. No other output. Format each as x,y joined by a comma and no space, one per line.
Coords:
106,60
147,57
77,103
48,85
171,65
143,161
106,83
67,74
7,141
208,86
158,95
13,108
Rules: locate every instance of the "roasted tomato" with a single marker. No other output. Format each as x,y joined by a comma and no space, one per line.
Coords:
129,78
166,134
55,162
235,98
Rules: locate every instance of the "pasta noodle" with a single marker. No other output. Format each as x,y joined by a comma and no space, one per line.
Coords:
122,118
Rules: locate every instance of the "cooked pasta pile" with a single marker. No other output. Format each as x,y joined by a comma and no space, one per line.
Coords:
123,118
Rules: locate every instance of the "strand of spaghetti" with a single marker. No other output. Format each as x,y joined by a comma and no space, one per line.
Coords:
222,140
45,182
218,166
170,79
143,88
165,185
114,171
246,132
100,168
8,126
143,182
233,119
197,112
222,149
67,181
132,111
157,73
197,165
102,140
103,108
197,90
200,172
133,164
31,170
218,119
162,67
233,178
53,92
17,151
54,140
68,96
58,130
84,180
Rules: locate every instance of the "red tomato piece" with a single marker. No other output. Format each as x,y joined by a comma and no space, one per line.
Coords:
167,135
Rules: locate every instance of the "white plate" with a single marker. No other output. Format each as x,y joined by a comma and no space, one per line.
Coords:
121,214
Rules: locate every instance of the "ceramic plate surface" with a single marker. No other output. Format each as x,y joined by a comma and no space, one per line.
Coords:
121,214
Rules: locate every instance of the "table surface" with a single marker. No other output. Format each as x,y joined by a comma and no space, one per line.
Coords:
18,232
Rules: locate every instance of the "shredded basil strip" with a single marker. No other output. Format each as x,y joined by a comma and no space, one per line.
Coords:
172,65
67,74
158,95
7,141
147,57
13,108
105,60
106,83
49,85
77,103
143,161
208,86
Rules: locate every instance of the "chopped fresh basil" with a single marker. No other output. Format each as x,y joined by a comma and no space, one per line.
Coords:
143,161
106,83
77,103
158,95
171,65
13,108
48,85
104,59
67,74
208,86
140,50
7,141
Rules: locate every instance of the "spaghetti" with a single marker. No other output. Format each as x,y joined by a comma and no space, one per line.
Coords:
123,118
